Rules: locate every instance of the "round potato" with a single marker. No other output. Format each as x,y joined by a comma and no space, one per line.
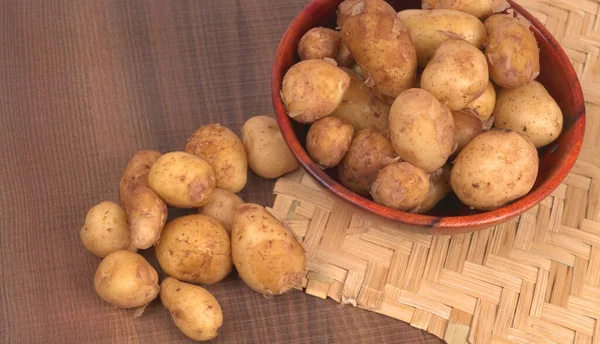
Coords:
328,140
313,89
194,310
369,151
512,51
196,249
430,28
182,180
479,8
266,254
126,280
421,129
439,187
319,42
222,206
530,110
400,186
483,106
457,74
268,154
224,152
495,168
466,127
105,229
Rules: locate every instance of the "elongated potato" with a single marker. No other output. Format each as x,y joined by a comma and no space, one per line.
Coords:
328,140
194,310
222,206
400,186
439,187
106,229
421,129
457,74
146,212
266,254
224,152
466,127
430,28
319,42
512,51
380,44
483,106
479,8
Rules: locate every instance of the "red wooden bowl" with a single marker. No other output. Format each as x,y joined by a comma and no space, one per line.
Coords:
450,216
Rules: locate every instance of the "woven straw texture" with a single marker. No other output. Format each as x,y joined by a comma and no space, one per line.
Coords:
534,279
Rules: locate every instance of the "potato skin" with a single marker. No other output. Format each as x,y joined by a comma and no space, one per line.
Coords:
126,280
430,28
457,74
512,51
401,186
105,229
222,206
479,8
328,140
194,310
466,127
421,129
268,154
146,212
483,106
182,180
317,43
196,249
495,168
266,254
439,187
224,152
369,151
530,110
313,89
380,44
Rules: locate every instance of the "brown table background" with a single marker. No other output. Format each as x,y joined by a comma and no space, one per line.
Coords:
84,84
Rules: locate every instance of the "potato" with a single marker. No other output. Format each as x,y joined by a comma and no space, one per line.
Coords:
319,42
196,249
182,180
380,44
466,127
512,51
483,106
146,212
530,110
126,280
430,28
495,168
479,8
222,206
369,151
439,187
268,154
400,186
105,229
313,89
224,152
194,310
266,254
328,140
360,107
343,57
421,129
457,74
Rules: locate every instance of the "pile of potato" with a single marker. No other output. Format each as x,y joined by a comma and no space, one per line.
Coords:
197,248
427,102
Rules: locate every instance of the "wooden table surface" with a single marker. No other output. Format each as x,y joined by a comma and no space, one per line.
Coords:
84,85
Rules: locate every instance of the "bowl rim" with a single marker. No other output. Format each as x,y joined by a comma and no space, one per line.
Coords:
475,221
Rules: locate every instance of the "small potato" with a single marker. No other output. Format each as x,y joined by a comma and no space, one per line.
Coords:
194,310
182,180
266,254
495,168
224,152
430,28
400,186
421,129
466,127
105,229
126,280
268,154
457,74
369,151
313,89
319,42
483,106
196,249
512,51
222,206
439,187
530,110
328,140
479,8
343,56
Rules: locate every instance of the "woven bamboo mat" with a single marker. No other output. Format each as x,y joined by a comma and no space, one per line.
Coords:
534,279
